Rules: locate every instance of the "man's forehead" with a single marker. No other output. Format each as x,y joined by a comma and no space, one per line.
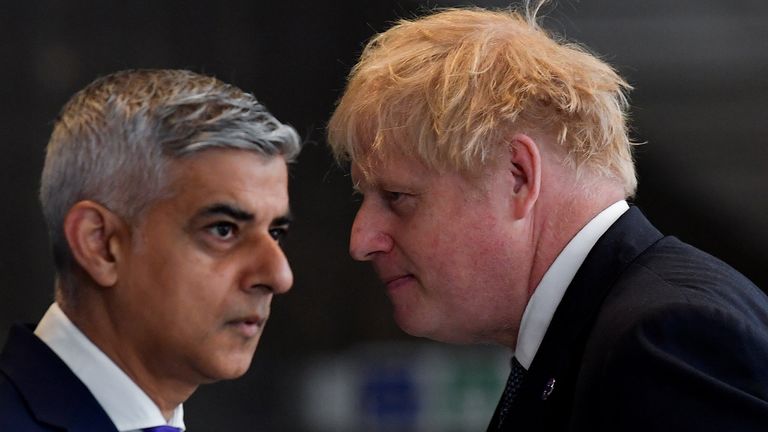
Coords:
219,164
375,167
368,177
247,179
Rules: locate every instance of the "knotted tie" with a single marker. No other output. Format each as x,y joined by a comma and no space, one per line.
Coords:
163,428
515,380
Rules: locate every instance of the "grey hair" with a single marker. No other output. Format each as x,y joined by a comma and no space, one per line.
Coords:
112,141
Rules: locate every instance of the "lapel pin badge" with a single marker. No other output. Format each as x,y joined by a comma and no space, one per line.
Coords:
548,389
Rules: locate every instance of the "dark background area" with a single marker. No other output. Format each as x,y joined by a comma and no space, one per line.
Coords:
699,68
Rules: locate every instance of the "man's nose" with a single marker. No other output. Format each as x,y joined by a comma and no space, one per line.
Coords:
369,235
271,267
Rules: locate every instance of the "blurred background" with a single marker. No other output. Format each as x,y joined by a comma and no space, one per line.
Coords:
332,358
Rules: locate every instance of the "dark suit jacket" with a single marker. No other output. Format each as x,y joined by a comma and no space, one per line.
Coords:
38,392
651,335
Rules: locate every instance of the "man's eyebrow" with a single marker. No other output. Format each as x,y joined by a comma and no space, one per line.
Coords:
356,185
359,184
285,219
229,210
241,215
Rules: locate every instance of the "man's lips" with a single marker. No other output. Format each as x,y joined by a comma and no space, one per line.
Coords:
248,326
394,282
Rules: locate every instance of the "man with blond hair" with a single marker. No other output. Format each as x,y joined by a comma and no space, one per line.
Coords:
495,168
165,193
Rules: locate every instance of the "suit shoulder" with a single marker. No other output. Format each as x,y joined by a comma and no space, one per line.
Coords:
15,415
661,312
673,277
683,265
660,365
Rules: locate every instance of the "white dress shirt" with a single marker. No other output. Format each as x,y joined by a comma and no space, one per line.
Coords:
548,294
129,408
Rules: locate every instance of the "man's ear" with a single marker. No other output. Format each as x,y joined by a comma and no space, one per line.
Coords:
525,167
93,233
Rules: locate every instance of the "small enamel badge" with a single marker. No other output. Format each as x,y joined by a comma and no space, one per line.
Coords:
548,389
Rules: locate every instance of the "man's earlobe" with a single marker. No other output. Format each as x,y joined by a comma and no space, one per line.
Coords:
525,167
92,232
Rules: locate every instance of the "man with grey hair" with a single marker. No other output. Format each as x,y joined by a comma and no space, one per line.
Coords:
165,193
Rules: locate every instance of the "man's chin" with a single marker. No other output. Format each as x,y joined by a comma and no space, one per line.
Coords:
433,330
418,326
232,367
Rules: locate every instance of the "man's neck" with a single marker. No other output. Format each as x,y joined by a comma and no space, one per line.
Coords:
559,217
165,391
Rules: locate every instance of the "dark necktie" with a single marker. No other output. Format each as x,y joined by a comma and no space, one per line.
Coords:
162,429
515,380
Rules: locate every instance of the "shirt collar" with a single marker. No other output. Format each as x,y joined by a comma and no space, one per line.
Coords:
128,407
548,294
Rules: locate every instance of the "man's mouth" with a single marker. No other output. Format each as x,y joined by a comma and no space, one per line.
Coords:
395,282
249,326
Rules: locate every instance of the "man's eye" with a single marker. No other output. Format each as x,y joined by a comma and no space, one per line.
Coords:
223,230
392,196
278,233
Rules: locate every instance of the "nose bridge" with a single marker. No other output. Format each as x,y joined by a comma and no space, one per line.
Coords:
370,234
270,266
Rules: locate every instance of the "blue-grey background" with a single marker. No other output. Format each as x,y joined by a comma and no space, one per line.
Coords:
700,72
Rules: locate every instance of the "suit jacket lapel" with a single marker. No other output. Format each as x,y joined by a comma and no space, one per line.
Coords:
55,395
550,382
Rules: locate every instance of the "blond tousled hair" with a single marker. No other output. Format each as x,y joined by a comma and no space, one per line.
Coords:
450,87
